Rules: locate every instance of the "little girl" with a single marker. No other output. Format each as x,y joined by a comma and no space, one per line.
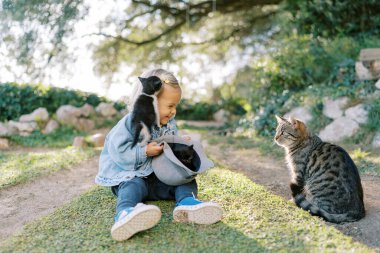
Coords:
129,171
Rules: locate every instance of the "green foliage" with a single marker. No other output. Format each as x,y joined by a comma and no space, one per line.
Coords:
302,71
331,18
17,100
195,111
373,106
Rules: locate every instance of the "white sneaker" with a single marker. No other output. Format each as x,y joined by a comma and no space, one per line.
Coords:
141,217
203,213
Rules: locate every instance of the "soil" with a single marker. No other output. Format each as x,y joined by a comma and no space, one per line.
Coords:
24,203
274,175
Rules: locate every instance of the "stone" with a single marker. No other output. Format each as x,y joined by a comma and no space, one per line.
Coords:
98,139
220,116
4,131
106,110
4,143
68,114
126,111
87,110
362,73
377,84
376,141
79,142
300,113
40,114
357,113
85,124
26,127
50,127
339,129
333,108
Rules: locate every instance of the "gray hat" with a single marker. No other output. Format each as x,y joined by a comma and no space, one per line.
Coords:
170,170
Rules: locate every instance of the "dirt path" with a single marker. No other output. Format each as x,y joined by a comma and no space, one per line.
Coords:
24,203
274,175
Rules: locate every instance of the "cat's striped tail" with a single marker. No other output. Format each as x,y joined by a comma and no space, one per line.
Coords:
302,202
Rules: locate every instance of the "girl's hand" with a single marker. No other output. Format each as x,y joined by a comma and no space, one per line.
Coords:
152,149
186,137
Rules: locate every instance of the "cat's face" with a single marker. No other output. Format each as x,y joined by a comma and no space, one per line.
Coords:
151,85
186,153
290,132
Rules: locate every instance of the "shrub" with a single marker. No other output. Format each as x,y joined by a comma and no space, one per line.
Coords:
17,100
188,110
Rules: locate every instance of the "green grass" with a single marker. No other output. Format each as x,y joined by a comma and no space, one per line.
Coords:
265,145
60,138
368,164
254,221
18,168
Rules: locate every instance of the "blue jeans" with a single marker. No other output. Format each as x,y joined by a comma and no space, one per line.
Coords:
137,190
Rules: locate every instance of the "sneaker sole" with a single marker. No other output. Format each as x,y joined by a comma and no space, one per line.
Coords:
205,213
144,218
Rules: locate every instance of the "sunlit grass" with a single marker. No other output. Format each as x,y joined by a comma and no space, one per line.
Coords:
18,167
254,220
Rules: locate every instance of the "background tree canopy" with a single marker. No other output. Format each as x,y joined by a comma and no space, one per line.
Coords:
279,50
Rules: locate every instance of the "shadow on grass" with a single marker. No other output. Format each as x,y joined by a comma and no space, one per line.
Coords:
78,228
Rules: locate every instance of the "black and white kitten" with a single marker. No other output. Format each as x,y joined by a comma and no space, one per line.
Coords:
145,110
185,154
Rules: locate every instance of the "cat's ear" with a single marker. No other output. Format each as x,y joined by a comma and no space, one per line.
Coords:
297,124
191,146
157,84
280,119
142,79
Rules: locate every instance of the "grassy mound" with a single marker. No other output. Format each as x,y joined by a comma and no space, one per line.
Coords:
254,221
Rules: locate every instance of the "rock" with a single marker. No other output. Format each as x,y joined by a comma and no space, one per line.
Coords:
40,114
376,141
85,124
4,131
4,143
300,113
378,84
19,127
357,113
79,142
106,110
333,108
87,110
50,126
68,114
220,116
125,111
362,73
339,129
98,139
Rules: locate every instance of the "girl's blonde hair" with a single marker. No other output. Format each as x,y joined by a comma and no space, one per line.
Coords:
165,76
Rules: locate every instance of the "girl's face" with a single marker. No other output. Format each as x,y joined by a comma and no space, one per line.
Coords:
168,100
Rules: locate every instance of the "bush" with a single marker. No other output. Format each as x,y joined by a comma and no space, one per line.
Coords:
188,110
17,100
331,18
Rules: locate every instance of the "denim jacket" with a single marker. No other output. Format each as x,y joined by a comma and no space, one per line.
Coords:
118,162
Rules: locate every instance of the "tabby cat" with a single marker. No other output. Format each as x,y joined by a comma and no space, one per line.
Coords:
324,179
185,154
